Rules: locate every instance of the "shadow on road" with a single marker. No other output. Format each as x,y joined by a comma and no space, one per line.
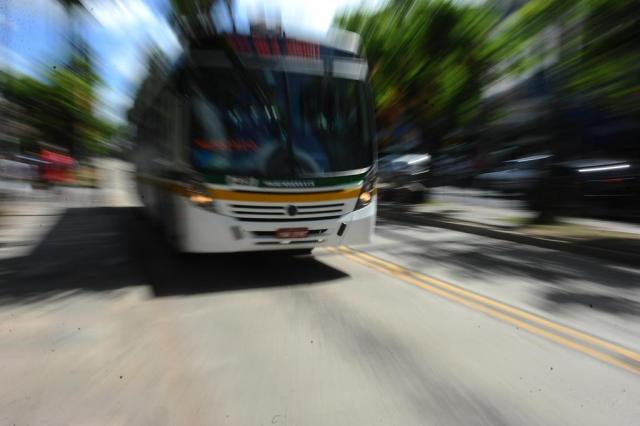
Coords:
485,255
605,303
564,279
105,249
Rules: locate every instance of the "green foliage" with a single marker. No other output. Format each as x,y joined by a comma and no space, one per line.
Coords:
607,67
596,55
60,108
431,59
428,59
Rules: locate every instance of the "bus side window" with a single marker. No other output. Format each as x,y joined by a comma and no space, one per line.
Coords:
174,109
160,124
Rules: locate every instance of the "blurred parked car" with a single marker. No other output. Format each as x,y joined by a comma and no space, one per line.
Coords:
516,176
404,176
456,170
594,186
599,183
58,167
16,169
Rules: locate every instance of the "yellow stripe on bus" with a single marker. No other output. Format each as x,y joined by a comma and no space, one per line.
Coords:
221,194
265,197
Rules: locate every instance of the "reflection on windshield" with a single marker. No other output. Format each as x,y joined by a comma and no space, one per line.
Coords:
233,131
328,128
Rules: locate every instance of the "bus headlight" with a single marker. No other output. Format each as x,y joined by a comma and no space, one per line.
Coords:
366,195
201,199
365,198
199,195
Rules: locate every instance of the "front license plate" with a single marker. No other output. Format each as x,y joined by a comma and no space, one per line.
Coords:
292,232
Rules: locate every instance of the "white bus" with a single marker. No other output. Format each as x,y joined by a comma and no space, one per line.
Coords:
254,143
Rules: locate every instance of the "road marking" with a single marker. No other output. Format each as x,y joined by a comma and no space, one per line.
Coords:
510,309
599,349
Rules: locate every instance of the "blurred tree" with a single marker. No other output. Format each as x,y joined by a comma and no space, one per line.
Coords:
428,60
432,58
60,109
589,51
192,7
33,96
75,84
73,9
591,47
604,64
193,17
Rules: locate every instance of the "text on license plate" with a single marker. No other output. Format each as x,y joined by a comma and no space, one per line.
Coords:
292,232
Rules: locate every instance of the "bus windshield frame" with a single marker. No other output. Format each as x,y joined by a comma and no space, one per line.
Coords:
298,122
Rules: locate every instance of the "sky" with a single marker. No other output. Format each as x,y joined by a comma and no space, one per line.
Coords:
33,36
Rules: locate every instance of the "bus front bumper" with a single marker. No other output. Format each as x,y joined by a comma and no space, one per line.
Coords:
203,231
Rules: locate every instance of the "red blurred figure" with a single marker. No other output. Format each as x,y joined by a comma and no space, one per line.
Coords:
57,167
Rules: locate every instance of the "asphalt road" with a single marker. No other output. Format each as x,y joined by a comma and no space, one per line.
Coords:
100,323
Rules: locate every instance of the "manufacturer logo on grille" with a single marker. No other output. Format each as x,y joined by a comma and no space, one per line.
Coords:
292,210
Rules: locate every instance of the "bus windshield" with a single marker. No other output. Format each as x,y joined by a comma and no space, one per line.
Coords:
235,130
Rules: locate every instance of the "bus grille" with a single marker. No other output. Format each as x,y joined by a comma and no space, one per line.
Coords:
286,212
288,243
272,234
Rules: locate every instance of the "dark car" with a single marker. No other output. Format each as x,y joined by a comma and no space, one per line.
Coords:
404,176
592,186
456,170
515,176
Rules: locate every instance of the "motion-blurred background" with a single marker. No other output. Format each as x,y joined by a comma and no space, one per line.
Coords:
532,103
501,285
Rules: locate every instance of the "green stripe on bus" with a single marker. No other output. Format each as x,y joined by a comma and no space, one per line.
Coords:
269,183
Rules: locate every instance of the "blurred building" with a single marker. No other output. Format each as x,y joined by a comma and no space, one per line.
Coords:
532,110
14,128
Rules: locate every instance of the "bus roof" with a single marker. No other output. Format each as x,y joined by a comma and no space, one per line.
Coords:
344,46
336,42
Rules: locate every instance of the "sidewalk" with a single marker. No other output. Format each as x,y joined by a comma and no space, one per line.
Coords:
508,220
26,213
23,224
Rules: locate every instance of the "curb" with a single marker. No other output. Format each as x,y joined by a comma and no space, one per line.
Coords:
627,258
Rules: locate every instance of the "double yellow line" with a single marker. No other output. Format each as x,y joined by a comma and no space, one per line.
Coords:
595,347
